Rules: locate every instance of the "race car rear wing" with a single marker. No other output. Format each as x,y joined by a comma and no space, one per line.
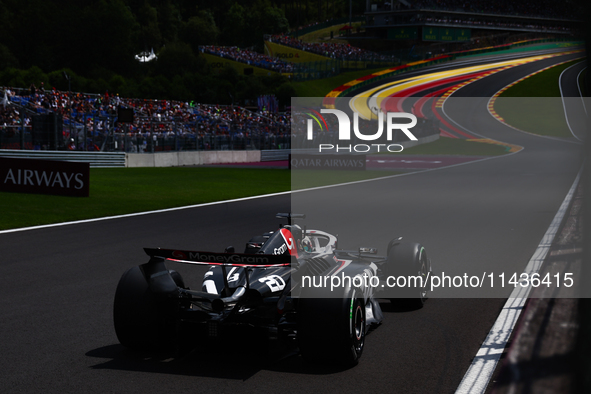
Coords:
221,259
161,282
290,216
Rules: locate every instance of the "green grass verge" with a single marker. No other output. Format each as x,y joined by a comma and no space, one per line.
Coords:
454,146
542,116
544,84
304,179
534,104
116,191
458,147
321,87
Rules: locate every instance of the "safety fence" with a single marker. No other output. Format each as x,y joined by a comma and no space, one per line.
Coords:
151,143
146,134
95,159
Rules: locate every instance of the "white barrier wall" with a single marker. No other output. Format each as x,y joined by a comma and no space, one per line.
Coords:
196,158
175,159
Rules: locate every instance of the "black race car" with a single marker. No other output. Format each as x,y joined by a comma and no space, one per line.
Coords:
284,286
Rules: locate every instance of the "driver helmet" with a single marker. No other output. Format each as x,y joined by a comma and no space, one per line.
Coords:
307,245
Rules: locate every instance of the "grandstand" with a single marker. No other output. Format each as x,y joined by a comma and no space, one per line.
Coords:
247,57
332,50
158,125
458,20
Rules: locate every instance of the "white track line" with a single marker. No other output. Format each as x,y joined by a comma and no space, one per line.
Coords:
129,215
579,86
484,363
564,103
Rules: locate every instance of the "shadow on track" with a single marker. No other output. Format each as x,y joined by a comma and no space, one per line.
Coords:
225,362
230,360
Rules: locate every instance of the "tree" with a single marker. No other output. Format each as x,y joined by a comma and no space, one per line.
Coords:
7,59
233,32
147,19
177,58
200,30
284,94
169,21
265,19
108,38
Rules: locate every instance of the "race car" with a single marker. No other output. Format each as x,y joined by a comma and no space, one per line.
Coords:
284,286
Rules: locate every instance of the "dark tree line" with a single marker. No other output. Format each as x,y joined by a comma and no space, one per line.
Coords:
95,41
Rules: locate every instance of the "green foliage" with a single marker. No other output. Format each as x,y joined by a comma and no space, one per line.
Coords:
7,59
36,75
57,80
234,26
147,18
12,77
284,94
200,30
96,42
106,38
268,19
177,58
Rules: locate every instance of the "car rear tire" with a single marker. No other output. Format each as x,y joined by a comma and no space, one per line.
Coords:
332,330
409,259
141,319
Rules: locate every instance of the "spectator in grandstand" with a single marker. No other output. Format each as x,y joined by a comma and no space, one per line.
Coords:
94,115
332,50
248,57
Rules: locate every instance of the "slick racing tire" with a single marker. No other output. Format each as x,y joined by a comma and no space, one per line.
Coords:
409,259
140,318
332,330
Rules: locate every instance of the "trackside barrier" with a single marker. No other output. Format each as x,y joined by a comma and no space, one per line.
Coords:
191,158
95,159
273,155
159,159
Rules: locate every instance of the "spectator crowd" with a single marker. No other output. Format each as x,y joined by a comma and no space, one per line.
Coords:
248,57
332,50
92,117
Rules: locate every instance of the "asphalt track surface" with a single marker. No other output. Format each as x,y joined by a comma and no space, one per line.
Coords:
57,284
575,106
